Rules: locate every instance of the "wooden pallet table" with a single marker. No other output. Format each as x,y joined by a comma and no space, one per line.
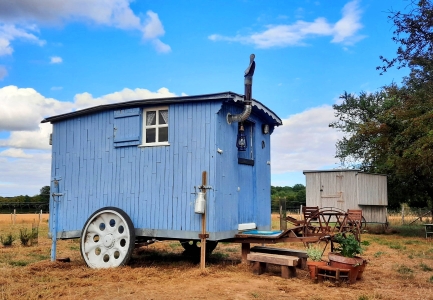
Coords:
328,272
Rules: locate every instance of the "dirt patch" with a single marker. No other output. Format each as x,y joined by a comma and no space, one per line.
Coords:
398,268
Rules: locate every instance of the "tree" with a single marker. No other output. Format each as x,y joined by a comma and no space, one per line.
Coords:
44,194
414,35
391,131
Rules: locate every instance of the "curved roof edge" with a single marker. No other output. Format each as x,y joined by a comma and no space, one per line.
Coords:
169,100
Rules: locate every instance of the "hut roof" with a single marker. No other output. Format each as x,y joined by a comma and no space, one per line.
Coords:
268,114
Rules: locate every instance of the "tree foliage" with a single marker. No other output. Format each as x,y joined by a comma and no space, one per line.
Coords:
43,196
293,196
391,131
414,35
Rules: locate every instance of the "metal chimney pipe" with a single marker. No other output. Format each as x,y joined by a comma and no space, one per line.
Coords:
249,72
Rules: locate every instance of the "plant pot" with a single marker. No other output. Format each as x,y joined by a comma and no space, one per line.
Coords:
341,262
312,267
362,264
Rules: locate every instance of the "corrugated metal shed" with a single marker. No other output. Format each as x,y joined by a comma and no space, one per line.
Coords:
349,189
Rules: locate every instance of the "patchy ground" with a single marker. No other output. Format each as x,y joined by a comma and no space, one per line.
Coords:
398,268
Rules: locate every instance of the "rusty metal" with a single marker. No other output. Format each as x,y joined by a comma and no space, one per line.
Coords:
203,236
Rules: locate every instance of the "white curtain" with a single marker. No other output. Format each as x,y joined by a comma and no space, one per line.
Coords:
164,115
150,115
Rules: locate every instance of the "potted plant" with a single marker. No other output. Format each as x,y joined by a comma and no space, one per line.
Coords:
315,259
345,256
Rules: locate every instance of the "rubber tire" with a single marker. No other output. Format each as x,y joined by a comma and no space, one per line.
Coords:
130,244
191,246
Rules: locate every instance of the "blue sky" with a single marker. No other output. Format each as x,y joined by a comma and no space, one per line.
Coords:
59,56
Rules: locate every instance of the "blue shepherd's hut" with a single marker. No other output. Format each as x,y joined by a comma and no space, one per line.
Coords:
129,172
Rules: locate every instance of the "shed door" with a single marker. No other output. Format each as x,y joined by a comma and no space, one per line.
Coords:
331,194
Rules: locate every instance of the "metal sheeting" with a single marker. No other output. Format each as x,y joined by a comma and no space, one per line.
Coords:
348,189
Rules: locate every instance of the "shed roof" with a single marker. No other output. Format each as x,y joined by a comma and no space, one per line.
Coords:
269,115
340,170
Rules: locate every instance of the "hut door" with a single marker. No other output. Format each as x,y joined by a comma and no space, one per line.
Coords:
246,195
331,194
247,186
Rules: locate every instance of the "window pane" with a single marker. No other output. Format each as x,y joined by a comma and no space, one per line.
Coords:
150,135
150,118
163,134
163,117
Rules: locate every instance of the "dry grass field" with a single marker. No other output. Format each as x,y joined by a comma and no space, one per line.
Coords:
398,268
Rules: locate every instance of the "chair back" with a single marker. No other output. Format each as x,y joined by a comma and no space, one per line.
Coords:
309,211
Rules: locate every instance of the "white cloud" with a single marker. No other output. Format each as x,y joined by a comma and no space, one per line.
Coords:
3,72
160,46
24,108
346,28
344,31
153,27
152,30
5,48
85,100
15,153
26,139
24,175
305,141
10,32
56,60
20,18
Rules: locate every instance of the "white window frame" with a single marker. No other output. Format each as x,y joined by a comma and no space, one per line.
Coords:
157,126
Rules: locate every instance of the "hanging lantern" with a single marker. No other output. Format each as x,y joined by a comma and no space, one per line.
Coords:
241,141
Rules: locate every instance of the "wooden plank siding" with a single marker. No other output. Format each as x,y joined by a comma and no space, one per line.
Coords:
349,189
155,185
372,189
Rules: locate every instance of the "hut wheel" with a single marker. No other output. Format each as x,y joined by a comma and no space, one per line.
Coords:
107,238
193,246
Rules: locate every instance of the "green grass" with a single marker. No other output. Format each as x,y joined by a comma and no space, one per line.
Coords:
219,255
379,254
412,242
19,263
425,267
231,249
74,247
174,245
396,246
405,271
409,230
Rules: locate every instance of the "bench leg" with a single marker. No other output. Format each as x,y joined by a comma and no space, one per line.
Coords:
302,264
259,267
288,272
245,251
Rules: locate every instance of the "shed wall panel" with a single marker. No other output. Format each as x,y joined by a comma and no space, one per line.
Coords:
372,189
349,190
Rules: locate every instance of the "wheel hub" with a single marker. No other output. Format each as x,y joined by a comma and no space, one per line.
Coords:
109,241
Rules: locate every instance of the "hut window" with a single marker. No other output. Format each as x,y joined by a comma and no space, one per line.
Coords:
155,126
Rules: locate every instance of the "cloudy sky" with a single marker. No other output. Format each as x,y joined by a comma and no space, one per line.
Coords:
60,56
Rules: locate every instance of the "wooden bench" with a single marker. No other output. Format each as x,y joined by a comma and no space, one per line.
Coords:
302,255
327,272
260,260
